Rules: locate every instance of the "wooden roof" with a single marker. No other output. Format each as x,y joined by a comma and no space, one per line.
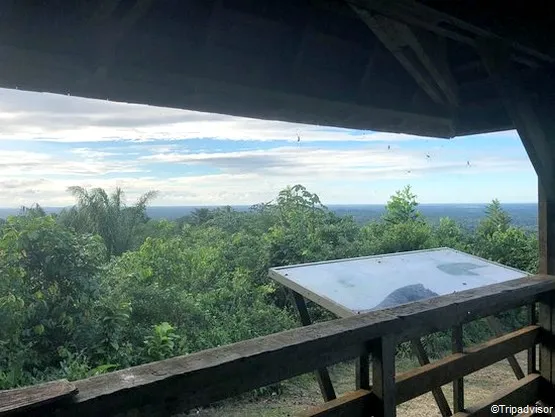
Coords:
399,66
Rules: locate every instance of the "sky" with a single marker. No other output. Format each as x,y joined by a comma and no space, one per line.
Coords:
50,142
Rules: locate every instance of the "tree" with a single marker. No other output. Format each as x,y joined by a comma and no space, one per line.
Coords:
201,215
34,210
108,216
449,234
402,207
47,289
496,219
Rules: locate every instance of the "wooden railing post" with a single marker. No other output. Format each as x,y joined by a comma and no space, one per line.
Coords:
458,384
546,307
531,360
383,376
362,374
533,121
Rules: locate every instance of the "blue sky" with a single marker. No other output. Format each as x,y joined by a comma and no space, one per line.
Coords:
50,142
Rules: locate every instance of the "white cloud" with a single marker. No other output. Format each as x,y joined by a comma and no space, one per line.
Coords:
43,116
34,164
245,177
307,162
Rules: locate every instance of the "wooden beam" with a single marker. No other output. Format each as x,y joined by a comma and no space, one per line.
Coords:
20,401
417,14
358,403
418,381
521,110
520,394
59,73
322,375
422,55
201,378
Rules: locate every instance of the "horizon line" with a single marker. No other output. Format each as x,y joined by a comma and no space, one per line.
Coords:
253,204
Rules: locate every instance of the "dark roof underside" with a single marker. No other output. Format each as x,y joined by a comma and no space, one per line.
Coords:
398,66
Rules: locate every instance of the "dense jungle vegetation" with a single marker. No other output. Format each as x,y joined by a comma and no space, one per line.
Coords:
101,287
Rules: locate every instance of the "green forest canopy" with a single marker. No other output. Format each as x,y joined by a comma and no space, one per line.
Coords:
102,287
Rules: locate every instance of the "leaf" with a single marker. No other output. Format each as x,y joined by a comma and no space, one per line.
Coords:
38,329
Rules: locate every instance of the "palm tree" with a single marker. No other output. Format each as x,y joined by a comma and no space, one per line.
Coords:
35,210
201,215
107,215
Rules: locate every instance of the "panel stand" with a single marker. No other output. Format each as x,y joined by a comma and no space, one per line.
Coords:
322,375
497,329
438,394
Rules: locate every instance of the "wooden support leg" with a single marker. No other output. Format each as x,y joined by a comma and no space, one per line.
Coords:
458,384
383,377
438,394
322,375
497,329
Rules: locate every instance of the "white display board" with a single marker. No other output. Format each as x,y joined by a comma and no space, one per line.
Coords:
353,286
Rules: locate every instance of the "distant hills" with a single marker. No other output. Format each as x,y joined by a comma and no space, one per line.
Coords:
524,215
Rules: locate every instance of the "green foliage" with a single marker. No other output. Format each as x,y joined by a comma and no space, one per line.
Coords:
496,220
163,343
101,287
108,216
402,207
47,291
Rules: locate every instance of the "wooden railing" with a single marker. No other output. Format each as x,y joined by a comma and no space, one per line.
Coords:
199,379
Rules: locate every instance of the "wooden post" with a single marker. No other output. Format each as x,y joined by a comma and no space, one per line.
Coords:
322,375
533,121
383,376
438,394
458,384
546,319
531,360
363,372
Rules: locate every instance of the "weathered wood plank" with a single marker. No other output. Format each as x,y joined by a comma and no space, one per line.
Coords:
520,394
383,377
437,392
322,375
198,379
356,403
458,383
20,400
437,315
418,381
